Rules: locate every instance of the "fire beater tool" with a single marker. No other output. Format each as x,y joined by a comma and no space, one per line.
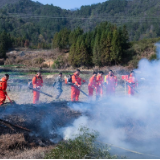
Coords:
9,99
6,123
130,84
72,84
34,89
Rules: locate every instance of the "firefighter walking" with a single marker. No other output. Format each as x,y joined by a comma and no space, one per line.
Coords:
99,90
58,84
111,83
133,83
37,83
3,87
92,84
76,80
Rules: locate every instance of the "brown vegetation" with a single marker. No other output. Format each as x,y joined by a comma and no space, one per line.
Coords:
38,58
57,59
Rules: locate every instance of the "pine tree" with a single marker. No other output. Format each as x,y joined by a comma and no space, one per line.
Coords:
61,39
55,41
64,39
84,55
72,55
116,49
5,44
96,52
74,35
105,44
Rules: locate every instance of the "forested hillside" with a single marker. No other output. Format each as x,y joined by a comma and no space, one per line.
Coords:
105,45
37,23
5,2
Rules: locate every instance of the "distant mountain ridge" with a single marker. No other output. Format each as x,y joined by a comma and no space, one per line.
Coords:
39,23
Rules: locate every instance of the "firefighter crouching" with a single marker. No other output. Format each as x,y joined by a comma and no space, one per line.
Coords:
3,87
37,83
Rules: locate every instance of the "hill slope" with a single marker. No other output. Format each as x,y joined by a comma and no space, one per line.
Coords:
38,22
5,2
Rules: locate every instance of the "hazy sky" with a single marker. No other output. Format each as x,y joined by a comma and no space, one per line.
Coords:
69,4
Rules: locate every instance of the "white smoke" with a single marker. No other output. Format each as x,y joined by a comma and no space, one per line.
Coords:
122,119
72,131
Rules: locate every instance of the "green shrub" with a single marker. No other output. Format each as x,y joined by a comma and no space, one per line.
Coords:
84,146
153,57
58,63
39,60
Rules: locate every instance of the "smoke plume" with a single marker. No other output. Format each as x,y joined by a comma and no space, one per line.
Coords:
130,122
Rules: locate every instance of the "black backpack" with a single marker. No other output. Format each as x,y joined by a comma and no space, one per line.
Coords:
70,79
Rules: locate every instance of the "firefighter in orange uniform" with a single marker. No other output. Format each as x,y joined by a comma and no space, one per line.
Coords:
111,83
115,77
133,82
99,90
92,84
3,87
37,82
76,80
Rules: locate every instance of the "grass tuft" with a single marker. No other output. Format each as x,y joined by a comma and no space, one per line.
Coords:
84,146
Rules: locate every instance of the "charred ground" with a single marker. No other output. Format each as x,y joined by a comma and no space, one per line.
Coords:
43,121
46,119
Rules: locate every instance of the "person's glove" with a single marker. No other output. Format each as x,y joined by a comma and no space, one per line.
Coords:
38,87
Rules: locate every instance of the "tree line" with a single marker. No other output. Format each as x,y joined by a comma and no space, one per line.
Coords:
5,43
34,22
105,45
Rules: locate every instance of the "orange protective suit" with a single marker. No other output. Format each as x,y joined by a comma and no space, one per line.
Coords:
74,91
99,90
132,80
111,82
3,93
92,85
37,83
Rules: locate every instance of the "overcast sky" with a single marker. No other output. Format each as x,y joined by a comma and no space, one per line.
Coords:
70,4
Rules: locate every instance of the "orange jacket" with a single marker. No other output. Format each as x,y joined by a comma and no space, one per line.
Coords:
111,80
37,82
76,79
93,82
132,80
3,85
99,80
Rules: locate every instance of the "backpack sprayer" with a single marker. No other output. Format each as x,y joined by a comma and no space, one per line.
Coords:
68,80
